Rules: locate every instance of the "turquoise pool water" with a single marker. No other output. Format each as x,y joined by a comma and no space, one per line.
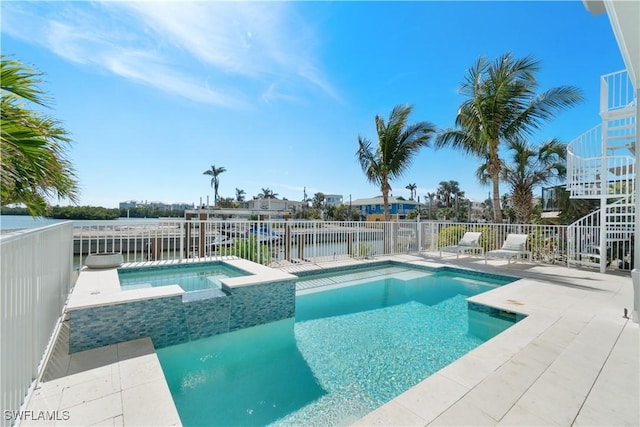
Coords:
359,339
190,277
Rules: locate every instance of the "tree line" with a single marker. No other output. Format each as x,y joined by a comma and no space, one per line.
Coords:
95,212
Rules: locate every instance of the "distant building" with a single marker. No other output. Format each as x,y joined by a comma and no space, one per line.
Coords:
132,204
332,200
129,204
181,206
476,210
263,209
273,205
373,209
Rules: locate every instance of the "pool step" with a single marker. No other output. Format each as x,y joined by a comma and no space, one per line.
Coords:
215,279
400,273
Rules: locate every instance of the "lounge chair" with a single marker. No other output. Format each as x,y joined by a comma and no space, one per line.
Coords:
513,247
468,243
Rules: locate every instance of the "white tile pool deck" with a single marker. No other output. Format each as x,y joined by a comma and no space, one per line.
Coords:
573,361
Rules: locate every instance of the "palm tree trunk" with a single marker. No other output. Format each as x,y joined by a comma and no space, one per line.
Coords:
522,204
497,210
385,201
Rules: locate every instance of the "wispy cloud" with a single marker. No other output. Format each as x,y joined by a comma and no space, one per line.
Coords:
223,53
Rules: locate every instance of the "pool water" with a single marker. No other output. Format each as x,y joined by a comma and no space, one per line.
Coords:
190,277
359,339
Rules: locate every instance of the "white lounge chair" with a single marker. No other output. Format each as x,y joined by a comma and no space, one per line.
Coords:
513,247
468,243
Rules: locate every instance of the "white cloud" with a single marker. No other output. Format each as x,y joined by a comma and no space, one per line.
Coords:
224,53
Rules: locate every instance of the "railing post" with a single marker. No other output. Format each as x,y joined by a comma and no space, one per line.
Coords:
315,240
181,226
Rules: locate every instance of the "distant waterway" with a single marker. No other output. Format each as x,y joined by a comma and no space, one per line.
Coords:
17,222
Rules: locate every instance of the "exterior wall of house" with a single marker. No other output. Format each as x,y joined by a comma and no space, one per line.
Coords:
373,210
332,200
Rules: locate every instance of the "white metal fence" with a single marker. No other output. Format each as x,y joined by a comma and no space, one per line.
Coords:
36,278
282,242
277,243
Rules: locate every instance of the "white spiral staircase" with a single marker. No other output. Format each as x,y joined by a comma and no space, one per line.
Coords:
601,165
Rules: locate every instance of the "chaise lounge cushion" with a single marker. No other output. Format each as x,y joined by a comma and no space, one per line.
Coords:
468,243
509,246
469,239
513,247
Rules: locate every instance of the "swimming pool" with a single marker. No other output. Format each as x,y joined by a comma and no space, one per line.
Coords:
359,339
190,277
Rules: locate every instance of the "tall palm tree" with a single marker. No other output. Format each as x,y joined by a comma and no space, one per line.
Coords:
432,199
240,195
502,104
448,191
267,193
412,189
32,144
449,194
532,167
215,181
398,143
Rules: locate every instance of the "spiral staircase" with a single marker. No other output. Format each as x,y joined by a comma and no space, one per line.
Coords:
601,166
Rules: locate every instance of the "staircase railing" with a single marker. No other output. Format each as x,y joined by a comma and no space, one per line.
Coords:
583,239
584,163
601,165
616,91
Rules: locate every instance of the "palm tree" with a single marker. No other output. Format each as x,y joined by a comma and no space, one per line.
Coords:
267,193
532,167
240,195
573,209
32,144
501,105
398,143
449,194
215,182
412,189
432,199
317,200
448,191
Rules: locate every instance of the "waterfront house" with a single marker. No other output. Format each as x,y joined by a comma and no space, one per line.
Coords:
373,209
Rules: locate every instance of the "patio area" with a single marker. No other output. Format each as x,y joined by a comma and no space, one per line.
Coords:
573,361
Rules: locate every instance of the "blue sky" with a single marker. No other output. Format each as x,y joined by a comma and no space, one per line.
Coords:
154,93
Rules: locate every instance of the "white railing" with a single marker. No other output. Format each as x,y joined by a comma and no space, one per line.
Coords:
584,241
278,243
591,174
621,177
265,242
547,243
616,91
585,237
584,163
36,278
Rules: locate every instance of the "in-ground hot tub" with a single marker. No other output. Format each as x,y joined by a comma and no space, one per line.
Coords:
101,312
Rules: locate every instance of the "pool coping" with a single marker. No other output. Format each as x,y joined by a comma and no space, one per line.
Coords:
537,372
572,360
101,287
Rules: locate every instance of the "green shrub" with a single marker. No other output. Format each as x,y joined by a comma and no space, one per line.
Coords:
363,250
249,249
450,235
488,240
